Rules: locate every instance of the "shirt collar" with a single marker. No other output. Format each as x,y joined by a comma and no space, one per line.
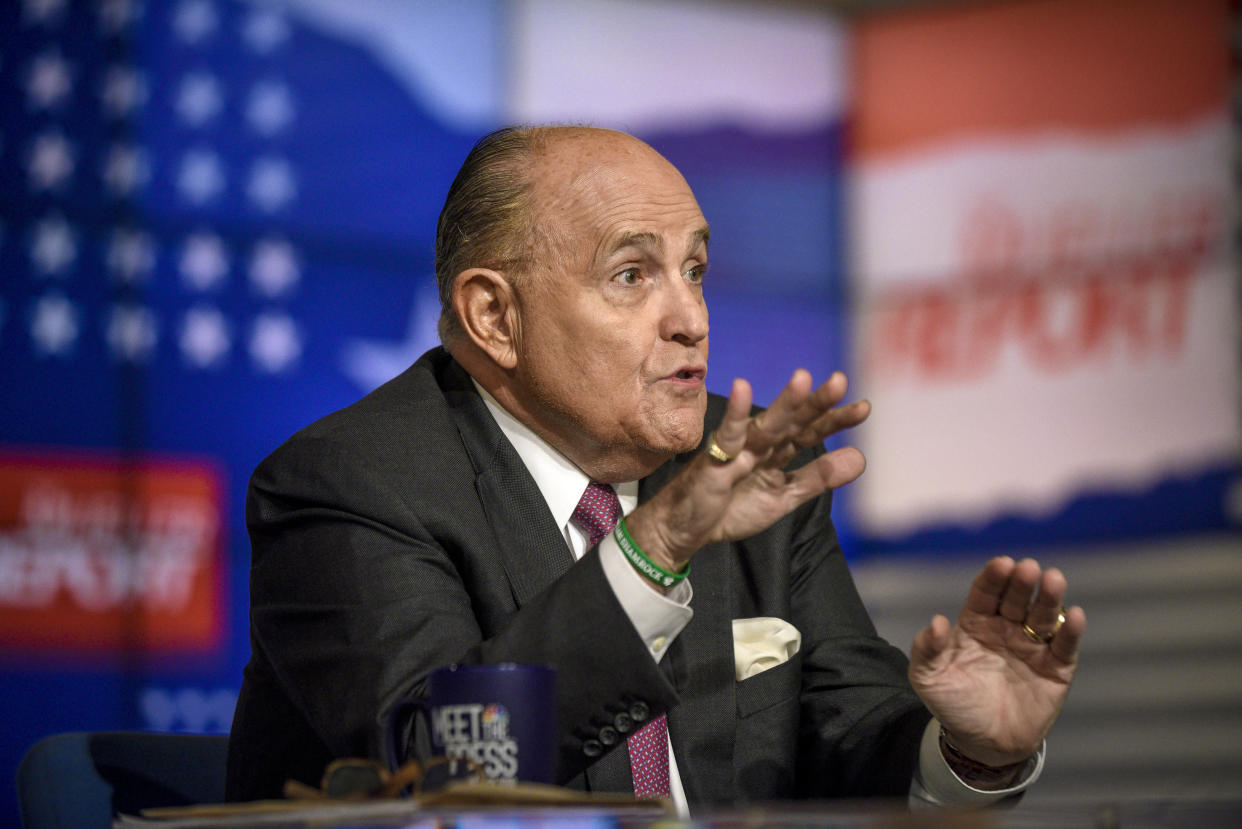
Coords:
560,482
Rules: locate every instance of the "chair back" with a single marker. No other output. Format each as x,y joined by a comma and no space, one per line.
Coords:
82,779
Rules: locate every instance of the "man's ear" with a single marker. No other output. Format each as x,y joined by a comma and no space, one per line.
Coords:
488,311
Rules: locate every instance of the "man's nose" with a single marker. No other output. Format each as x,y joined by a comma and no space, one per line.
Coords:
685,314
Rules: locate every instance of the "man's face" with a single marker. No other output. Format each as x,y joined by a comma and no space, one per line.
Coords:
612,340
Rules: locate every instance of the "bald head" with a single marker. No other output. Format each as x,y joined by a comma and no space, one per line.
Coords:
511,177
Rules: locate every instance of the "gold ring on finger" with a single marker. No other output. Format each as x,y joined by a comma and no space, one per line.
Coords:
715,452
1044,637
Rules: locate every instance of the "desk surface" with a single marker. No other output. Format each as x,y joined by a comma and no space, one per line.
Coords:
1222,814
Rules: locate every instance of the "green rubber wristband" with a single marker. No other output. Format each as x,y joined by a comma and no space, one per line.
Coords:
645,566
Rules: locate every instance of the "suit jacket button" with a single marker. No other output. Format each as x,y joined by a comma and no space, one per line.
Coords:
621,719
639,711
608,735
592,748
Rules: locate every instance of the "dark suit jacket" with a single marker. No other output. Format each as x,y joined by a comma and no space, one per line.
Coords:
403,533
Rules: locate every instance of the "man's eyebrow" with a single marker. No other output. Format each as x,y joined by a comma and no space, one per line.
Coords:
700,237
635,240
639,239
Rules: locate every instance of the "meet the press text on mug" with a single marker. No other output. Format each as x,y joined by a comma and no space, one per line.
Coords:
479,733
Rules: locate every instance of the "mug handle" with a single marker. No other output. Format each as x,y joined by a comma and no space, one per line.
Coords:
404,712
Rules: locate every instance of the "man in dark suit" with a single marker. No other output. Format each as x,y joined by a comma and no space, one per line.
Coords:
443,519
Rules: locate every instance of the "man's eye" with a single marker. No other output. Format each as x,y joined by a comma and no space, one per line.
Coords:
628,277
695,275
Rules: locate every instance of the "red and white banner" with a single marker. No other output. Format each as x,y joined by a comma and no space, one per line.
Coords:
1041,202
99,554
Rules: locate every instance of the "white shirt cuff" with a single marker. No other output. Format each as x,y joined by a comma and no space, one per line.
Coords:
657,617
935,784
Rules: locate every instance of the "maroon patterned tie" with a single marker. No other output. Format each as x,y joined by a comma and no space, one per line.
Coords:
598,511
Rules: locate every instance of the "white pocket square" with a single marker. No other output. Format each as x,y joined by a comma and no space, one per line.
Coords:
761,643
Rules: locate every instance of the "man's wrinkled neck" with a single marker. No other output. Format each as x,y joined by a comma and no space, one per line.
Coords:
597,462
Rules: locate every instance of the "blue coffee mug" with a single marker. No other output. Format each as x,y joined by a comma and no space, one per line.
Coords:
501,716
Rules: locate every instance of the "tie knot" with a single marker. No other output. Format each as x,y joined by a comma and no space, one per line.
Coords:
598,511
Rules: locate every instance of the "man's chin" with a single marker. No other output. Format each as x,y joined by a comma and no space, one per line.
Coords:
672,432
681,437
691,441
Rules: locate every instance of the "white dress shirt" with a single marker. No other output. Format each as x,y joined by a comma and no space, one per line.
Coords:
659,618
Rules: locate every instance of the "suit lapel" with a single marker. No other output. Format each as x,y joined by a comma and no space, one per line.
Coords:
530,545
701,663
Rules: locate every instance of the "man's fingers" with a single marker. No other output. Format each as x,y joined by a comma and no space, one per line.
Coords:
1006,587
833,421
831,391
1016,598
1046,610
929,643
772,424
730,435
817,432
798,419
829,471
809,409
986,590
1064,645
805,417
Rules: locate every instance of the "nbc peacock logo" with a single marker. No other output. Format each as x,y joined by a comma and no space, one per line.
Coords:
495,722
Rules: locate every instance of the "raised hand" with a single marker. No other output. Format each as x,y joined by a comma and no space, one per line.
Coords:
997,679
741,486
